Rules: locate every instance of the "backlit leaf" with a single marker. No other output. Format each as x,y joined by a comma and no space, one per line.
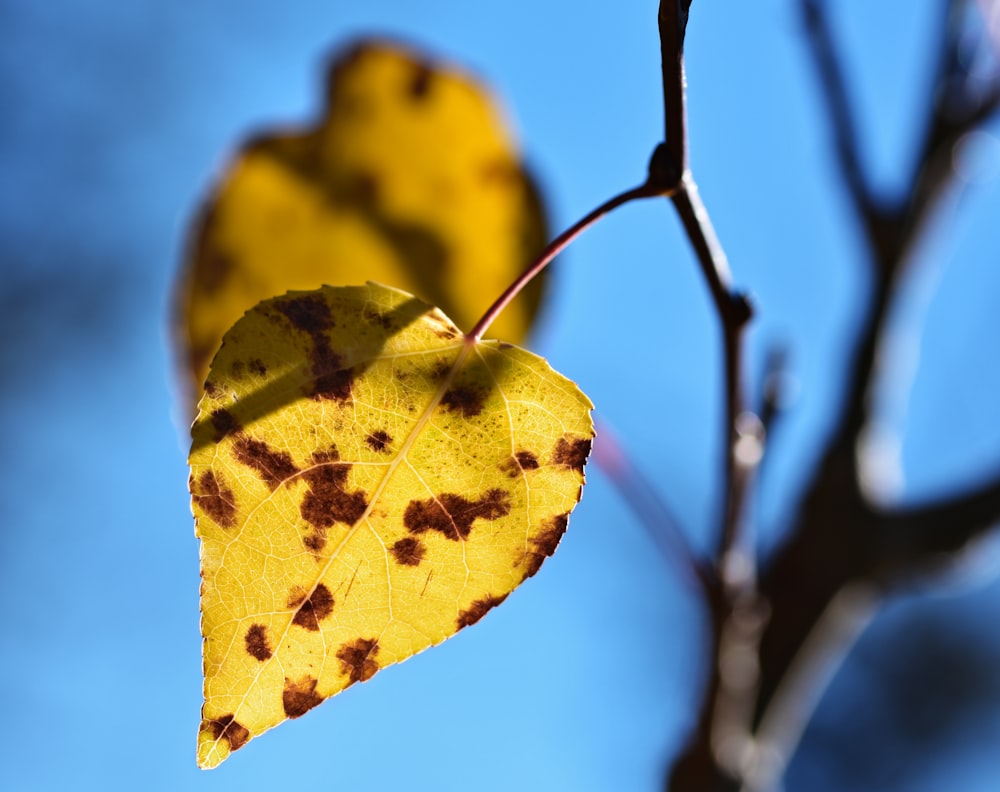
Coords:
409,178
365,482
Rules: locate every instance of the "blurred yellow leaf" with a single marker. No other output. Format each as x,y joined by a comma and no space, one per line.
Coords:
366,481
409,178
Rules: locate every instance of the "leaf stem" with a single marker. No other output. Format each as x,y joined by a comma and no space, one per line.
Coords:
651,510
646,190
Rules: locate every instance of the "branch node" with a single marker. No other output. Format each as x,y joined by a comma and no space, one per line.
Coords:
741,308
664,175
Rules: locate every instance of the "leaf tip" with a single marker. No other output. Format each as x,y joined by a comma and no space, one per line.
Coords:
218,738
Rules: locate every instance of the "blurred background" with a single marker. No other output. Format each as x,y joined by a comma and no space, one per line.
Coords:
117,117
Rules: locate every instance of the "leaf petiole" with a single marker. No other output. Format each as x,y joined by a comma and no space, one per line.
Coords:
555,247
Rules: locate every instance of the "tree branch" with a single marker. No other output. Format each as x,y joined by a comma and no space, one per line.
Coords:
777,388
672,19
831,78
736,618
912,539
734,311
957,108
732,307
824,650
838,536
839,542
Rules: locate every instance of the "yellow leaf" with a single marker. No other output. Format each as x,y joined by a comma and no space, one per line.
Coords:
410,178
366,481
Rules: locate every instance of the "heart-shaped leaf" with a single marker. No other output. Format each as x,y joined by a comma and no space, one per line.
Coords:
366,481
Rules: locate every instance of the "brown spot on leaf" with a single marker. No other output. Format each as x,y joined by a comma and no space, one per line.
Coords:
299,697
362,190
224,423
257,643
378,441
316,541
441,369
274,467
313,610
572,452
545,542
310,313
551,534
409,551
229,729
384,320
446,332
327,501
213,266
477,610
453,515
330,378
522,461
215,499
357,659
242,368
527,460
500,172
256,366
465,399
238,370
420,82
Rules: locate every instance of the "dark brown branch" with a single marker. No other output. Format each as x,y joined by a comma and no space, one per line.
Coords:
668,169
956,109
894,227
734,311
823,651
838,541
838,536
672,19
912,539
736,618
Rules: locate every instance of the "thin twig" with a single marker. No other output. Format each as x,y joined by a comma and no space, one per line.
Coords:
777,388
841,117
957,108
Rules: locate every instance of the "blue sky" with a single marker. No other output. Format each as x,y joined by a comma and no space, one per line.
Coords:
118,117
